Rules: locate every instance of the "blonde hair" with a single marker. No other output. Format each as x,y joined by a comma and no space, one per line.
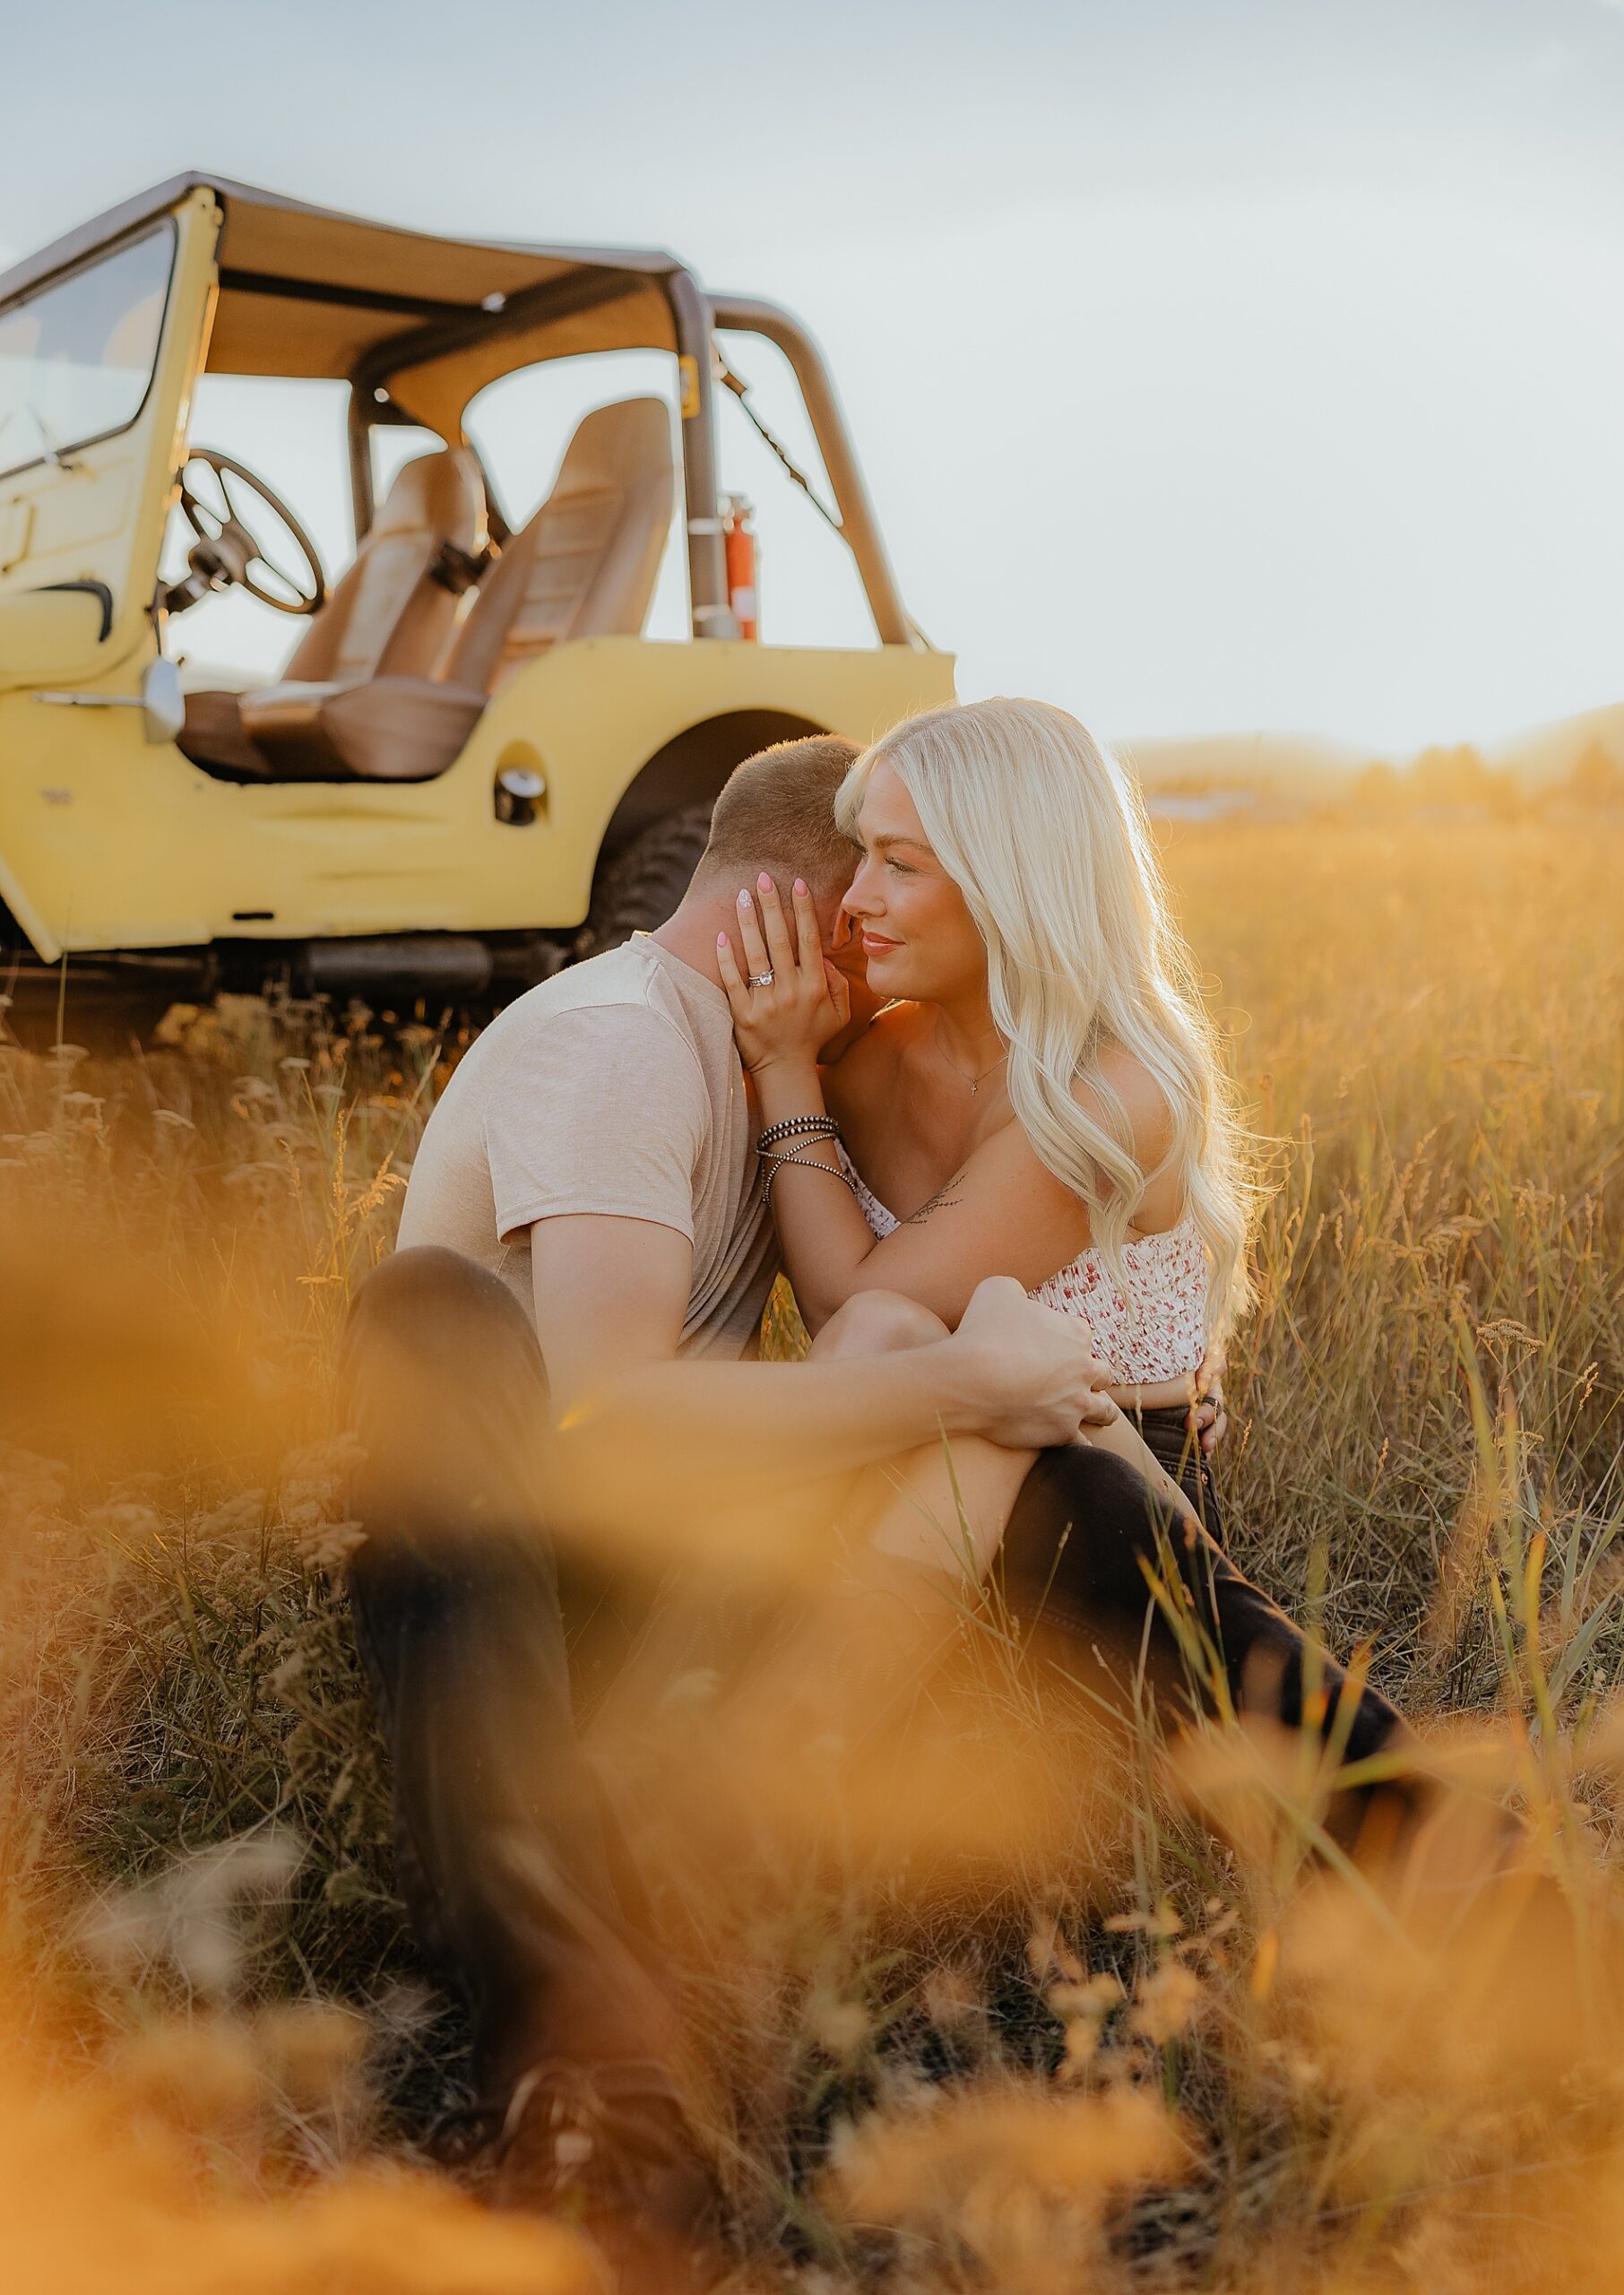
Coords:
1046,837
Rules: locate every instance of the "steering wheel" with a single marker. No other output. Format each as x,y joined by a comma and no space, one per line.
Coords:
228,548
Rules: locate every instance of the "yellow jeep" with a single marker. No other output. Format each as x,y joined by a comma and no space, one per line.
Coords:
474,764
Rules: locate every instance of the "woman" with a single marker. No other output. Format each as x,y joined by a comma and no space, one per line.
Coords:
1042,1099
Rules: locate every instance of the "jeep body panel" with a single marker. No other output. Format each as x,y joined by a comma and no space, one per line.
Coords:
117,843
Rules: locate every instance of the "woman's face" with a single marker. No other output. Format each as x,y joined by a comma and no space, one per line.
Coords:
917,934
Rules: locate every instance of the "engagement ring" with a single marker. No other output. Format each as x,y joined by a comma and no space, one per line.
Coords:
761,980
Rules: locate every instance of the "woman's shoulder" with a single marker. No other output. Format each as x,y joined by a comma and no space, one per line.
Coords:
1119,1084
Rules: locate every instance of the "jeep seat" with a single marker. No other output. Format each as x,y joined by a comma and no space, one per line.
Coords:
392,612
584,566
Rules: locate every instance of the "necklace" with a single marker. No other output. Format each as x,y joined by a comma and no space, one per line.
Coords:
974,1082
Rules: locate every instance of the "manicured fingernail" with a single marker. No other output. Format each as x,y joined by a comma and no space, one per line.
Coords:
721,940
744,900
800,888
765,881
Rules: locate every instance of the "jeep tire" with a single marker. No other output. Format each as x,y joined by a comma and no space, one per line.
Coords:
642,884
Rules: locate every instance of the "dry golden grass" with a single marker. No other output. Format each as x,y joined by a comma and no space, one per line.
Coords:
1123,2048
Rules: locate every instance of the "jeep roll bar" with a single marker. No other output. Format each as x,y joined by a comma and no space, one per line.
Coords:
695,316
747,315
712,616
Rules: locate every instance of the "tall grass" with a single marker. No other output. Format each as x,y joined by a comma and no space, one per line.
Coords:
1001,2004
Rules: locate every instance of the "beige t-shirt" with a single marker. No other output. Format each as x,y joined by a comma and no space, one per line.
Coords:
613,1087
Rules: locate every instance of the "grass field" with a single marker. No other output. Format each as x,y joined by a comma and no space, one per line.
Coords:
1160,2038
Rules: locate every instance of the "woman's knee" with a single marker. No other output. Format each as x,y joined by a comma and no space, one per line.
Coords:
878,1323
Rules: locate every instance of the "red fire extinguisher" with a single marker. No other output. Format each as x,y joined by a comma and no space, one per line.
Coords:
740,542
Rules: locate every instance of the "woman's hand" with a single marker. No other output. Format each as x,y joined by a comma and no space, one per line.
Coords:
1200,1394
1209,1420
789,1001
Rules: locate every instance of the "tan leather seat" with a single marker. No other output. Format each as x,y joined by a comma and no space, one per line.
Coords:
586,563
389,615
584,567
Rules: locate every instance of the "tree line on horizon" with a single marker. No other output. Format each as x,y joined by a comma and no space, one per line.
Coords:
1460,777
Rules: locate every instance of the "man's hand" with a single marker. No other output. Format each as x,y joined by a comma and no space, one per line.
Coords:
1030,1376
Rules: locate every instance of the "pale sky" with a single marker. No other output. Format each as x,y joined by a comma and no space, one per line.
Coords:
1216,364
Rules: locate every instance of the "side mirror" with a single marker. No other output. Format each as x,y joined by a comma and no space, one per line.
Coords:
163,706
161,701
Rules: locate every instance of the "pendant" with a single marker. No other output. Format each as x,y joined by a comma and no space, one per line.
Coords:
974,1088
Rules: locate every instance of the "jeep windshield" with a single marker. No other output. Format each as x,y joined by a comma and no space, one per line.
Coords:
77,355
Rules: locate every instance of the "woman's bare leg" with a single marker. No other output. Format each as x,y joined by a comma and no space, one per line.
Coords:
949,1515
946,1506
942,1507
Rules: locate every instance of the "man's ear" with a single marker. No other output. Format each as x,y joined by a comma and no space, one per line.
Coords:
834,925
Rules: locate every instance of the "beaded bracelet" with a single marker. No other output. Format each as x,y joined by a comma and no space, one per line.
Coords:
796,1127
773,1165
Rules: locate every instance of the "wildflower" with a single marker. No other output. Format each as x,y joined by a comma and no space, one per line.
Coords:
1164,2002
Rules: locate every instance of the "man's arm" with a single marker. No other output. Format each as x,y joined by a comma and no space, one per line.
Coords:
611,1296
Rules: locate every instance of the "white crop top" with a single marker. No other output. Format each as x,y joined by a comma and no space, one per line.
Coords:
1153,1331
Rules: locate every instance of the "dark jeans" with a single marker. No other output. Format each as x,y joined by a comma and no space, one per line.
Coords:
1167,1436
483,1644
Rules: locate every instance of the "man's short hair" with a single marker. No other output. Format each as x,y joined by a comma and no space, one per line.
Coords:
776,812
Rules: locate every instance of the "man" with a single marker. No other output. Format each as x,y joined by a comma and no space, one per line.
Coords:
563,1344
